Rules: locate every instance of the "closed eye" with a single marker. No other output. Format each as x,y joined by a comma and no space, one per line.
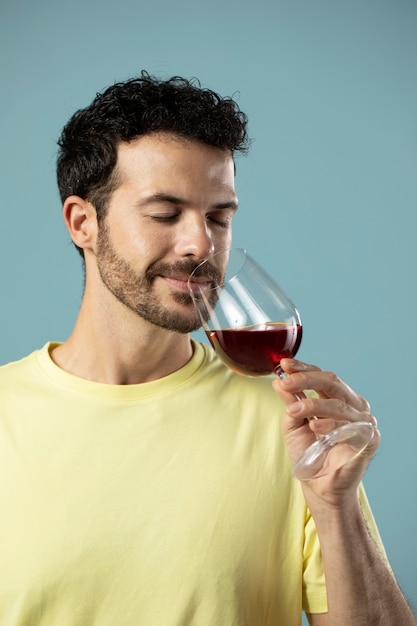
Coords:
220,221
165,218
222,217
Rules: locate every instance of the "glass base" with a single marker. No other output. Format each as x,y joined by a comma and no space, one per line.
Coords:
333,450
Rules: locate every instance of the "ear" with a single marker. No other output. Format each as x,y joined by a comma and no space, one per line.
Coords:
81,221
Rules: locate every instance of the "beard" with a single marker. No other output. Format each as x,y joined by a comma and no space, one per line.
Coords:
137,294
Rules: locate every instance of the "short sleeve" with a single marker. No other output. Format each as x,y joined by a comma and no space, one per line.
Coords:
314,587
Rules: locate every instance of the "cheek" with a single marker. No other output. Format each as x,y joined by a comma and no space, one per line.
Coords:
136,242
223,241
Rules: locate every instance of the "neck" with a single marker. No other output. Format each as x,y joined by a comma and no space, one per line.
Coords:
120,348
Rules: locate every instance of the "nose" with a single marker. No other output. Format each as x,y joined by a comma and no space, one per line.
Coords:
195,239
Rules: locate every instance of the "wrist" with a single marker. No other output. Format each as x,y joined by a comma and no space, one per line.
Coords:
330,512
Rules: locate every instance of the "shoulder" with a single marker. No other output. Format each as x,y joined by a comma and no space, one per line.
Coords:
236,394
19,371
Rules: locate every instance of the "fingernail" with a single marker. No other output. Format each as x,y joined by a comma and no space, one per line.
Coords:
287,380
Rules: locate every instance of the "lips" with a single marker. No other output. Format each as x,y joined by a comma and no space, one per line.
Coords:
199,280
197,285
177,276
183,282
179,281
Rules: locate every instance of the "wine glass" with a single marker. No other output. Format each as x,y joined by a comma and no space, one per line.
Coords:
252,325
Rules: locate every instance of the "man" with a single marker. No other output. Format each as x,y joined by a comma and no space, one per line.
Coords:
142,482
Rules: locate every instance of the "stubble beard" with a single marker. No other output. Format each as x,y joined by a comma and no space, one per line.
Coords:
137,293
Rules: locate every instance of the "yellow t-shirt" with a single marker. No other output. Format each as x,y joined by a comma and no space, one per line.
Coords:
169,503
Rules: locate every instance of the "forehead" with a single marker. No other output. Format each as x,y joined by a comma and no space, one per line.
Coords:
167,155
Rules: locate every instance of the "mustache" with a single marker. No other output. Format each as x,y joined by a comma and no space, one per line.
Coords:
198,269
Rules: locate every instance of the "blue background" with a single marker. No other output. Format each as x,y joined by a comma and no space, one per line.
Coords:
327,195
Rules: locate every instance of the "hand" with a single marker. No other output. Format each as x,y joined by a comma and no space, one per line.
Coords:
307,418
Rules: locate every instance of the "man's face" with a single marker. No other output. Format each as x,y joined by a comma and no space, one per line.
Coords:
173,208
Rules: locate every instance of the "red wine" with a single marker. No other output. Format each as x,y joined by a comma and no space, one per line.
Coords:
256,350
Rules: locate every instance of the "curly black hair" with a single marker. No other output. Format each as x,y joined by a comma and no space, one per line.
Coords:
88,144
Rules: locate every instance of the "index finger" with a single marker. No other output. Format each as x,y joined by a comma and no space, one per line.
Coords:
301,376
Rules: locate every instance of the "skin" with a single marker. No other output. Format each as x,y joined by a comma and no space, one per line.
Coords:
173,208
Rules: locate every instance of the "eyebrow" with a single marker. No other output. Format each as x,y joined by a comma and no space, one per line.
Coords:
166,197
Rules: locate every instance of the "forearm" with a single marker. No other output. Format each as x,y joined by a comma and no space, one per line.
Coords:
361,589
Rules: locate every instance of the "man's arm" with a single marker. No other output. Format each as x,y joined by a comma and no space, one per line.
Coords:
361,589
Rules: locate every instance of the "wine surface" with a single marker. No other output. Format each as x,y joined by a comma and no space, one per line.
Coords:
256,350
